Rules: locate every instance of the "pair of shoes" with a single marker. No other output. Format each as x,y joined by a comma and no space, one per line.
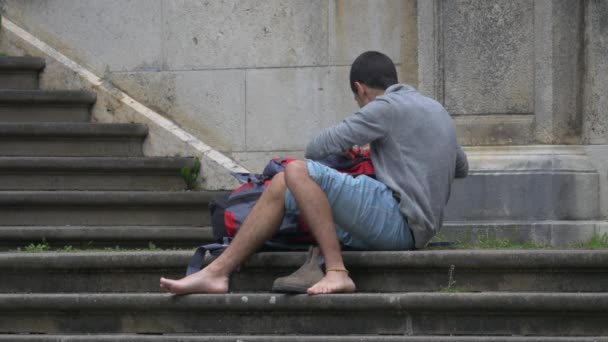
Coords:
306,276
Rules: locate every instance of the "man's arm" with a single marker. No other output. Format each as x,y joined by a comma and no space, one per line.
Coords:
462,164
372,122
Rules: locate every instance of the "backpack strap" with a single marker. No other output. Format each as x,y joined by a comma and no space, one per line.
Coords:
198,259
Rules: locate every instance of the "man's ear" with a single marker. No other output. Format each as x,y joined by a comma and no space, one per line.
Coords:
360,89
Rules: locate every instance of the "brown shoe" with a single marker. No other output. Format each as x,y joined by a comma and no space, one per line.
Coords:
306,276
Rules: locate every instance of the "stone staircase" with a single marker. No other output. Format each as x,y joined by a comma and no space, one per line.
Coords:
86,186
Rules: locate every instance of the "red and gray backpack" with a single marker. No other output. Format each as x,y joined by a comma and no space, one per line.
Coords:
228,211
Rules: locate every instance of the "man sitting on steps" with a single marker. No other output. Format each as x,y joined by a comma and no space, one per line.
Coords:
416,157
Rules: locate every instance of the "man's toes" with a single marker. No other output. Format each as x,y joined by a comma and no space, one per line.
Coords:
312,290
167,284
317,289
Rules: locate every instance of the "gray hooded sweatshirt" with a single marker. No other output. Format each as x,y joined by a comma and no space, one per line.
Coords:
414,151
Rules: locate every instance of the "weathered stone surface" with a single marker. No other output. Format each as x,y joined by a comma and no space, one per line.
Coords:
112,208
492,130
425,313
595,104
208,104
20,72
233,33
598,155
526,183
290,338
558,71
26,105
256,161
114,35
286,107
409,43
562,234
72,139
360,25
515,57
106,173
86,237
373,272
488,56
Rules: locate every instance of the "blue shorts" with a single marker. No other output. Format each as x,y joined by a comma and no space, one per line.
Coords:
365,211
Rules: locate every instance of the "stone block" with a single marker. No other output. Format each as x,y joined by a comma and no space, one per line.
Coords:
558,71
361,25
595,103
488,56
210,104
558,234
286,107
489,130
104,35
526,183
598,155
254,33
569,236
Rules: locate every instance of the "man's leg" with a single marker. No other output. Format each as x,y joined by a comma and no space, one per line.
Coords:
261,225
317,213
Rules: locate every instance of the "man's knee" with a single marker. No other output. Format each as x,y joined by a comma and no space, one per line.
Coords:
296,171
277,186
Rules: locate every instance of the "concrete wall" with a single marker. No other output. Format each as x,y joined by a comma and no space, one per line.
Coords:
253,78
595,91
509,72
257,78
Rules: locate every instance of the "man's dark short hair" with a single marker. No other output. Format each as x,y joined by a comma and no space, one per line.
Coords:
374,69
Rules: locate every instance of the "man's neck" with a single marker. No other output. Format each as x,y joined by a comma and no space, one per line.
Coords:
375,92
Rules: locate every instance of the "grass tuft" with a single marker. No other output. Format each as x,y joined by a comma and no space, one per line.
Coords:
596,242
190,174
38,247
494,243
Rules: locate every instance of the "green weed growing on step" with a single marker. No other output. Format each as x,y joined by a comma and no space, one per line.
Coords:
38,247
596,242
487,242
45,247
453,243
152,246
451,280
494,243
457,289
190,174
451,287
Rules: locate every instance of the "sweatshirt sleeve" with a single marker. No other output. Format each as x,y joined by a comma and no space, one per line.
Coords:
370,123
462,164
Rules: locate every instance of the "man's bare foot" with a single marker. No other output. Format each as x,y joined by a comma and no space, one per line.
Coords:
333,282
202,281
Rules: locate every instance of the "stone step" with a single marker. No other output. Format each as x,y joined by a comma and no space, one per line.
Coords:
417,313
105,208
93,173
91,237
420,271
555,233
18,105
72,139
20,72
292,338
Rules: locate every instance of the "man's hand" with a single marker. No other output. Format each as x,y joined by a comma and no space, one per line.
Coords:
357,151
